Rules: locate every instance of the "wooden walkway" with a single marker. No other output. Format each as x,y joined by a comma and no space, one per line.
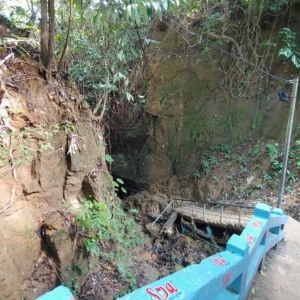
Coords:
215,216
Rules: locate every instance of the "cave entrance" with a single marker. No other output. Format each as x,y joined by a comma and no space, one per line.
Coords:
125,187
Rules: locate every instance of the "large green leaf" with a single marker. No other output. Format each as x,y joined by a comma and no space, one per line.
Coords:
296,60
108,158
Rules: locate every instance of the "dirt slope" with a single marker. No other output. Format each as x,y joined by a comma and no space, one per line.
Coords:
41,124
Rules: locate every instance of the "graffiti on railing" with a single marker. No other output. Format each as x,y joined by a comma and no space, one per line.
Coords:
162,292
227,274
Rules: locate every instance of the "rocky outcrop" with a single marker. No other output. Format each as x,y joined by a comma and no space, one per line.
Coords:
53,155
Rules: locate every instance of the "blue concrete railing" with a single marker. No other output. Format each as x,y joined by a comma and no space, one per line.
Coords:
59,293
225,275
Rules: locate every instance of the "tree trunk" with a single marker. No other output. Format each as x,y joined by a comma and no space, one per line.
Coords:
47,34
33,14
67,38
51,45
44,32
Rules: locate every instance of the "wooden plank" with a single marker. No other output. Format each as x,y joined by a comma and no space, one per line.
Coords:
213,216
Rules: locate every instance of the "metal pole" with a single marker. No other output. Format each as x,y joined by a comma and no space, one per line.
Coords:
240,215
221,213
288,140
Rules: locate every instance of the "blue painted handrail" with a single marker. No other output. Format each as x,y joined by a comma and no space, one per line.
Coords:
59,293
227,275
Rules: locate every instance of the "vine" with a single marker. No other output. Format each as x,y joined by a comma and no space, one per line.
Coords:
233,28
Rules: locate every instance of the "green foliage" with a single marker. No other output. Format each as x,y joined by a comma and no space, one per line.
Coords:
267,177
105,44
68,127
271,6
272,151
267,43
19,147
291,176
210,160
254,151
243,164
290,49
139,11
118,184
208,163
276,165
252,189
94,221
100,222
102,49
288,189
108,158
110,51
257,166
275,6
226,150
206,166
295,153
19,16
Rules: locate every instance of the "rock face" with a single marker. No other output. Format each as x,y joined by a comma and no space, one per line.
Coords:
35,233
188,110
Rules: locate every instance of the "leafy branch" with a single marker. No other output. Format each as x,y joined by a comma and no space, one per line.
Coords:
290,49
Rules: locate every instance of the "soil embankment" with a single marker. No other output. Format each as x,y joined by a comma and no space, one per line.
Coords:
51,155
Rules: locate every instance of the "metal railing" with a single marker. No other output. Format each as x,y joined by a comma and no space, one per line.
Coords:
207,208
226,275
